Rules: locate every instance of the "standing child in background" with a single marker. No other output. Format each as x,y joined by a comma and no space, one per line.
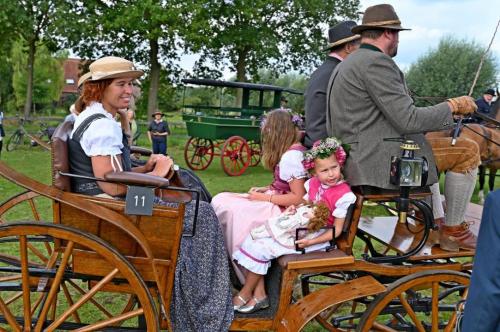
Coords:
283,154
327,186
157,133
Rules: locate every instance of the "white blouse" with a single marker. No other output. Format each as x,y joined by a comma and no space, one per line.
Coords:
103,137
291,166
342,203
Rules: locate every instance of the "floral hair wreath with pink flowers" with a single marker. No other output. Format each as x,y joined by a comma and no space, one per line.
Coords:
296,118
324,149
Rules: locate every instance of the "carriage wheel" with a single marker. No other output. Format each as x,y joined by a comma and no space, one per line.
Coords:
423,301
198,153
338,318
14,140
235,156
255,151
37,295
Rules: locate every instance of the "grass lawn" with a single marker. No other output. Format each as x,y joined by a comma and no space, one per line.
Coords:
35,162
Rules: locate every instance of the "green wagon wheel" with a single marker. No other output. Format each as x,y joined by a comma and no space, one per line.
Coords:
49,296
235,156
198,153
14,140
423,301
255,151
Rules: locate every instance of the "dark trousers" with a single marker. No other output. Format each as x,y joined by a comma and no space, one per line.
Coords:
159,146
482,308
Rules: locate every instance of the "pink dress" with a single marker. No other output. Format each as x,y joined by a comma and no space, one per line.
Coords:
256,254
238,215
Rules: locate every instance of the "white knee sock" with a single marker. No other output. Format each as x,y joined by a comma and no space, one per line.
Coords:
458,190
437,203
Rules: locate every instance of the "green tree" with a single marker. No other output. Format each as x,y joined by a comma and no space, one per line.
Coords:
449,70
30,21
144,31
48,75
255,34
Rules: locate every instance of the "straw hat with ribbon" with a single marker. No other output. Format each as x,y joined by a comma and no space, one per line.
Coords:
341,34
113,67
379,17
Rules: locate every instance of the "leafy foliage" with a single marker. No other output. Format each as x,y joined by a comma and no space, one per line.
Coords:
48,76
449,70
255,34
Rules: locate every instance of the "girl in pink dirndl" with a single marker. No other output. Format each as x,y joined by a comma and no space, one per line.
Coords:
282,153
277,236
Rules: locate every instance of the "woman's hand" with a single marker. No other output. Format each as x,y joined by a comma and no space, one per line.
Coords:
162,165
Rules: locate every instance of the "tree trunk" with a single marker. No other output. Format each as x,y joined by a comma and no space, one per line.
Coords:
241,72
154,77
31,69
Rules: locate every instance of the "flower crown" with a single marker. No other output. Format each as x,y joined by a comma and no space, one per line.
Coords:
296,118
324,149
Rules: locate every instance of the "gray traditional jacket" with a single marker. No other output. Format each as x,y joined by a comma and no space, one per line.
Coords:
369,101
315,102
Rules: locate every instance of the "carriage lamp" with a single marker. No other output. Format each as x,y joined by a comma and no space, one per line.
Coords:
407,171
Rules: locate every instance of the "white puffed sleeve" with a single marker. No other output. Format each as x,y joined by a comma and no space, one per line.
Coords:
306,186
102,138
291,166
343,204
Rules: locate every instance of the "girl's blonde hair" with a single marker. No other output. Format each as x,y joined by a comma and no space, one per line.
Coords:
277,135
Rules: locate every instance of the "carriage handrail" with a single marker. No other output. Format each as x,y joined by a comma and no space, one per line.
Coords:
229,84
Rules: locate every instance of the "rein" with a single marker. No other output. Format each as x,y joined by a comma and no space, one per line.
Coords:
482,135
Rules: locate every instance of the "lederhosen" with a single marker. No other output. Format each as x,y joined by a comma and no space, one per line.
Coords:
81,164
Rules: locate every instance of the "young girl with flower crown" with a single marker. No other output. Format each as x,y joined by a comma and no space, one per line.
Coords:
283,154
327,187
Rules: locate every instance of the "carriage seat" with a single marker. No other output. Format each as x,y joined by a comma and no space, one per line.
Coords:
377,193
60,163
315,259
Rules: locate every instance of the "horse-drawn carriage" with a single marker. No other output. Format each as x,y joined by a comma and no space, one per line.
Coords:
230,130
96,258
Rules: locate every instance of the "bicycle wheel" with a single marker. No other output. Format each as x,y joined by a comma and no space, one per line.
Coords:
14,140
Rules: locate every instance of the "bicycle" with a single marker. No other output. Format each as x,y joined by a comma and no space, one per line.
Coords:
35,139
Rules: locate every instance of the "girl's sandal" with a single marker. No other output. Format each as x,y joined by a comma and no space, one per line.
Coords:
237,307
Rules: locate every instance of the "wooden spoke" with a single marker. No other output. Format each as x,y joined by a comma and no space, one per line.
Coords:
11,278
94,302
37,252
383,328
113,321
82,300
26,280
9,316
55,286
37,303
34,209
67,294
13,298
435,306
411,313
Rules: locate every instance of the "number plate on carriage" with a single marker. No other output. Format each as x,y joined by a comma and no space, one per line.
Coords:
139,201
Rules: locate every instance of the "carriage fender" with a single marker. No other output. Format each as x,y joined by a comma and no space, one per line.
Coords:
297,315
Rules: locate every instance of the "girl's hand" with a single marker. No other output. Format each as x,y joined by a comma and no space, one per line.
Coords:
257,196
303,243
258,189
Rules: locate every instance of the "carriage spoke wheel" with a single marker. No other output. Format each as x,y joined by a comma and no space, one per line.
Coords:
198,153
255,151
235,156
337,318
38,295
423,301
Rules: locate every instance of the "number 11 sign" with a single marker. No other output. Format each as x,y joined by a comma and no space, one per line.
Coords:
139,201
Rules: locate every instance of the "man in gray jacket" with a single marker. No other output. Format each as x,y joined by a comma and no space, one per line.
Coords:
341,43
369,102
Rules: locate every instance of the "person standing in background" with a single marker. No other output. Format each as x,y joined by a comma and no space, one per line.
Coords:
341,43
157,133
2,133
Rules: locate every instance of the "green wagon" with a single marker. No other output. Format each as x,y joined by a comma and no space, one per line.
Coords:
231,132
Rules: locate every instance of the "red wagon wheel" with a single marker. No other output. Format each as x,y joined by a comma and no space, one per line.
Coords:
255,151
198,153
235,156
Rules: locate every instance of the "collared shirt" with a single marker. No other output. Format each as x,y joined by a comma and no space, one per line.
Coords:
336,56
371,47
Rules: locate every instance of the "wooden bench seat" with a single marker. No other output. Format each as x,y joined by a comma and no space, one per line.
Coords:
315,259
